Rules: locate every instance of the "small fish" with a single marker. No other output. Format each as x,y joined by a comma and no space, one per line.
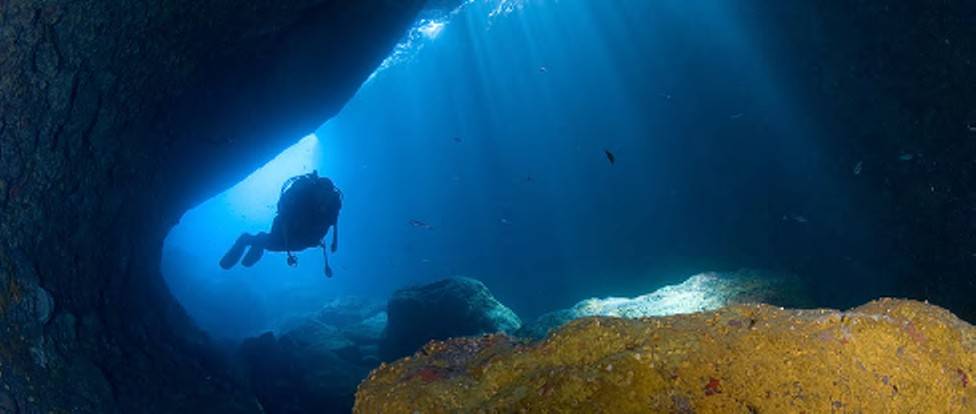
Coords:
543,69
505,221
528,179
420,225
906,157
971,127
666,96
736,116
610,157
795,217
858,167
456,139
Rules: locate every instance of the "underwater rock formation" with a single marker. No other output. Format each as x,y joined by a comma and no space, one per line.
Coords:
315,366
885,356
298,374
369,331
701,292
349,327
116,117
347,311
340,312
448,308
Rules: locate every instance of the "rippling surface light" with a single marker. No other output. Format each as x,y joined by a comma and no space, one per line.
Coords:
431,29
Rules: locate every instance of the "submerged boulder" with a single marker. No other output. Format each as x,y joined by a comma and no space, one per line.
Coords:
448,308
315,337
349,310
701,292
367,332
340,312
292,376
885,356
315,363
351,326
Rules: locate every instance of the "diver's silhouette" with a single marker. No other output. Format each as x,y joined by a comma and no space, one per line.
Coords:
307,207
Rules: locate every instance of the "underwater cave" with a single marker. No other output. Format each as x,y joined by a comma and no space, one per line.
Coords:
528,187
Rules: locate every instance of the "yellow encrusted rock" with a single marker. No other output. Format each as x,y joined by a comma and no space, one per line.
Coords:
886,356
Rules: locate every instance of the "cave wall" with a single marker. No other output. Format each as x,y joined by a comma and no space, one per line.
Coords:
881,80
115,117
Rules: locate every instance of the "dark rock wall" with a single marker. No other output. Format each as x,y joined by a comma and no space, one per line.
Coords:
882,79
115,117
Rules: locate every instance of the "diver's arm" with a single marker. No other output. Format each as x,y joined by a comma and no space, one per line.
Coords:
335,237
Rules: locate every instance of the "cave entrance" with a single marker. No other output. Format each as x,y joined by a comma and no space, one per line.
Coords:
271,296
244,301
575,148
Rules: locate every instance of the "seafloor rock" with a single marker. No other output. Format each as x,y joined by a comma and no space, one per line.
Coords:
344,313
701,292
317,336
345,322
448,308
301,371
885,356
348,310
315,363
367,332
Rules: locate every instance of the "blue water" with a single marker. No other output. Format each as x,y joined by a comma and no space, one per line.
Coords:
492,130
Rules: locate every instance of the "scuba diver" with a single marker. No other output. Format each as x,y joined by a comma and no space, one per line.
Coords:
307,207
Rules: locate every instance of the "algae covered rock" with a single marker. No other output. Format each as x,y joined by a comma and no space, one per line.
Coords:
452,307
885,356
701,292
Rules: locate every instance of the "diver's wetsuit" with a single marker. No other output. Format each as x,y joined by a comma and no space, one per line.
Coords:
308,207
